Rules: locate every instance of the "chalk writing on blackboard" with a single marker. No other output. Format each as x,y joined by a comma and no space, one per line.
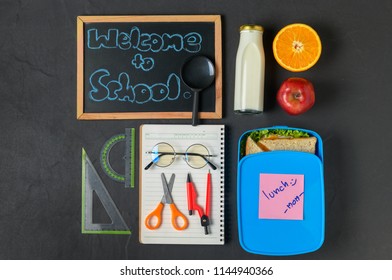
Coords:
122,89
144,63
144,42
106,87
281,196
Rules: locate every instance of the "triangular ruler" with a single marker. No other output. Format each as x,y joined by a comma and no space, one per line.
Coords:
91,182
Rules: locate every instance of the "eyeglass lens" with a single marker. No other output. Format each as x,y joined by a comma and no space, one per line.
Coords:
196,156
163,154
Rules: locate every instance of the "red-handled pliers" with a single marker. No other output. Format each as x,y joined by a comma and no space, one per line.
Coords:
192,204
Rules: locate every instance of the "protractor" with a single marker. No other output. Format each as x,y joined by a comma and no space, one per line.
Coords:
128,176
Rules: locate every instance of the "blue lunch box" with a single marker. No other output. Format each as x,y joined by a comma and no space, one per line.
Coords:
281,237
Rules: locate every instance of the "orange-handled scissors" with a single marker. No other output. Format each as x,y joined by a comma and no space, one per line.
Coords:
166,199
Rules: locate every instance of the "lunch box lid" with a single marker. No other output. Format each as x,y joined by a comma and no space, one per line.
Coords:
277,236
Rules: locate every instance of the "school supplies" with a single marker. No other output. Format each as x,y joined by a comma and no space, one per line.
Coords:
194,206
166,199
180,138
91,182
208,197
128,178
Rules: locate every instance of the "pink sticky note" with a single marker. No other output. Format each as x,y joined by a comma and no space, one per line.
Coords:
281,196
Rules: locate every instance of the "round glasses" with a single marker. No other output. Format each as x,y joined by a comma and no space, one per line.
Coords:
196,156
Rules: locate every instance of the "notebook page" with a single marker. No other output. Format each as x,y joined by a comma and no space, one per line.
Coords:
151,189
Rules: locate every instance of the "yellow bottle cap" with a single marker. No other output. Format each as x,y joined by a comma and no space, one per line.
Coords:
251,27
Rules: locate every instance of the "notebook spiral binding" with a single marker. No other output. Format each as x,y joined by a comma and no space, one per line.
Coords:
222,182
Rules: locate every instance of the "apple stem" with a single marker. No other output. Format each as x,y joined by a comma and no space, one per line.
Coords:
297,95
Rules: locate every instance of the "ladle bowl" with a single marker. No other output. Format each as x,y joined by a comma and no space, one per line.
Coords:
197,73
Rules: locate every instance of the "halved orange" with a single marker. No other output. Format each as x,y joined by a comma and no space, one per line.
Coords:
297,47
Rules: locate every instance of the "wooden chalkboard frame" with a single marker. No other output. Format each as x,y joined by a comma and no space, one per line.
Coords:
81,20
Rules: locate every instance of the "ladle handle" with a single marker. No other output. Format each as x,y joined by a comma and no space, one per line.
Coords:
195,112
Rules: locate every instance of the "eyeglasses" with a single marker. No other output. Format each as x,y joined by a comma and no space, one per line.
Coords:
196,156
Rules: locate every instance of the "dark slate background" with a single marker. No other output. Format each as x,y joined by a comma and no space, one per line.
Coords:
41,140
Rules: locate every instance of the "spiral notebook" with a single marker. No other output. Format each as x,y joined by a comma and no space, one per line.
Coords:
180,137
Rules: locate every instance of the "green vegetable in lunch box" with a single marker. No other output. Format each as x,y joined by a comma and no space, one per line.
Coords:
265,133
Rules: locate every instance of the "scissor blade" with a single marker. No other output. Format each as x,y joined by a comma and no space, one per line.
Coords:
167,188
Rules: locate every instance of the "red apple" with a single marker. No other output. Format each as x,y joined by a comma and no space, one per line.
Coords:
296,96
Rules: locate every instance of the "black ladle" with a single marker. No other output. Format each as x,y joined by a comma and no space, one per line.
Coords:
198,73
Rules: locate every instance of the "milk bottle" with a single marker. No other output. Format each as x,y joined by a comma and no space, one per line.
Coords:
249,72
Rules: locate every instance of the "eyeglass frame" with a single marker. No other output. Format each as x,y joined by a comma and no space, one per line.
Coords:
174,153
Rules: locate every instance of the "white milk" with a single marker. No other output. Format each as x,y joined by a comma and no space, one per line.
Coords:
249,72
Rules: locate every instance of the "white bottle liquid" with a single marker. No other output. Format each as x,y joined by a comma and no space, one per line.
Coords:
249,72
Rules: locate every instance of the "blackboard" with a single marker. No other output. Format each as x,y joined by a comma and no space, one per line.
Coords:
128,67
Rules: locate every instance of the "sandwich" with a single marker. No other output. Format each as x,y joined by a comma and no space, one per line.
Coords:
279,140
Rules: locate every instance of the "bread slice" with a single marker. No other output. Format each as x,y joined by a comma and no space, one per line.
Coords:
251,147
306,144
